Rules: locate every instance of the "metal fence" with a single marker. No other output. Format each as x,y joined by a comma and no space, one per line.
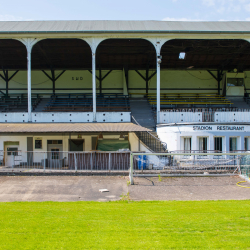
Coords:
188,164
245,166
64,161
169,164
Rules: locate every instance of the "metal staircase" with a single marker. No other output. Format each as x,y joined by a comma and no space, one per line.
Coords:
151,140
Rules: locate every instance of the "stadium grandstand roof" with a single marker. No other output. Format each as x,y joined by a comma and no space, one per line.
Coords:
123,26
69,127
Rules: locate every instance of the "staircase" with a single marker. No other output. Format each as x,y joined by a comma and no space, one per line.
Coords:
143,115
41,106
142,112
239,102
152,142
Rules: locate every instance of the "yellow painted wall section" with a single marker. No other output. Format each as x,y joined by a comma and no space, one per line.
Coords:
180,79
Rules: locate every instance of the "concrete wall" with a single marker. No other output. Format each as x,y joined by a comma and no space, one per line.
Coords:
135,144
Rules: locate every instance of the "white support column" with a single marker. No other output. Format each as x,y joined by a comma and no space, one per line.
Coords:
158,84
29,83
94,86
242,142
158,43
93,43
29,43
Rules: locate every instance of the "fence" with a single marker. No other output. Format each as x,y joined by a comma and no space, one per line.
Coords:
204,115
188,164
64,161
245,166
137,164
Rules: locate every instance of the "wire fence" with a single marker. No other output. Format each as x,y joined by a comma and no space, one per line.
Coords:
64,161
189,163
172,163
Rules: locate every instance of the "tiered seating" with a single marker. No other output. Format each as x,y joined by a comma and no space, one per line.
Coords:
17,103
84,103
189,100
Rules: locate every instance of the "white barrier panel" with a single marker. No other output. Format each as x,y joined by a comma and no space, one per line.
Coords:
66,117
62,117
232,117
178,117
113,117
14,117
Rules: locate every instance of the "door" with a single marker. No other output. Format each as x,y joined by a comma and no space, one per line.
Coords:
55,156
11,152
76,145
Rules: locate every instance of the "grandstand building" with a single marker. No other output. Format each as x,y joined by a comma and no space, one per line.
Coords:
74,85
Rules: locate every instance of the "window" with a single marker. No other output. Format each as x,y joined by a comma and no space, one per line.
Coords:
246,144
233,143
235,82
203,144
218,144
38,144
54,141
55,154
12,151
187,144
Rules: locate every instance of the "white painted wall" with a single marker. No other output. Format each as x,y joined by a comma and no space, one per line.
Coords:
135,145
174,136
39,153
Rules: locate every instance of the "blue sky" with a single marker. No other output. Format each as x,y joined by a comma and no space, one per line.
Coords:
170,10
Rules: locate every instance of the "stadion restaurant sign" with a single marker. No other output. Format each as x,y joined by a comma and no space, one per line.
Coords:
219,128
205,128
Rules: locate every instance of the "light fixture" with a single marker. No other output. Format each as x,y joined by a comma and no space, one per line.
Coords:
121,137
182,55
190,67
100,136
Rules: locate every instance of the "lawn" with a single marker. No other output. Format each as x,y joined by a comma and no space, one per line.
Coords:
125,225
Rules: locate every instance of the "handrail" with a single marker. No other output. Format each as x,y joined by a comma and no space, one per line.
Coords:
163,143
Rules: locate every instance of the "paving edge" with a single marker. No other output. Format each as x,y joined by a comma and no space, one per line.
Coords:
63,174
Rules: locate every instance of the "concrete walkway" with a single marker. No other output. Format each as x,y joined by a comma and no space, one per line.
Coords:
79,188
61,188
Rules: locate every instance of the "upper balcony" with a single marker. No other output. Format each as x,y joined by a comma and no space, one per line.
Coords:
65,108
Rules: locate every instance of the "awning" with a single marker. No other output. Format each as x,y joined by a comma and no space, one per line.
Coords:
69,127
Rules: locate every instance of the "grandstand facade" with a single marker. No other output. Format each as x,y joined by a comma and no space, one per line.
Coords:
65,85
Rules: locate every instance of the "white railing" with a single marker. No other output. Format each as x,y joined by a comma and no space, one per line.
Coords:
204,116
66,117
232,116
179,117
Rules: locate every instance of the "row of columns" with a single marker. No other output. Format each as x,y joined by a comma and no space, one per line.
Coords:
93,43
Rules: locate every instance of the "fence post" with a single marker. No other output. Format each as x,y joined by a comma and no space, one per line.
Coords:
91,161
238,165
109,162
13,163
131,170
75,162
44,162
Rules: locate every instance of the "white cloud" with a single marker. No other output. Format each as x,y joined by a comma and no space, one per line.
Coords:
247,7
180,19
10,18
208,2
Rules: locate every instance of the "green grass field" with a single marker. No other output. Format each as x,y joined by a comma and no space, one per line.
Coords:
125,225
